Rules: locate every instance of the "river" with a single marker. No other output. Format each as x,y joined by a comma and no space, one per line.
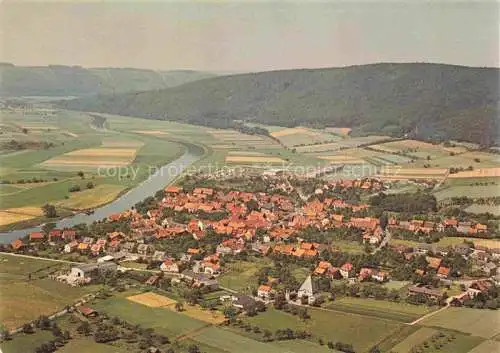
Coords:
164,176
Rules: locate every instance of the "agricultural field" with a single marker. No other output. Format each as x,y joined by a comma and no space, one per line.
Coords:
39,175
473,188
402,312
240,275
475,208
403,173
431,340
300,136
362,332
482,323
451,241
342,144
39,294
168,322
487,347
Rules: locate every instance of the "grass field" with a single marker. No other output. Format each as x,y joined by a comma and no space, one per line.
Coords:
164,321
475,208
414,339
26,343
362,332
76,146
380,308
240,275
451,241
426,338
487,347
482,323
24,300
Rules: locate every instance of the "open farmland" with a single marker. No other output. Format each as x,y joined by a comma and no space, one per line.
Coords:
482,323
401,173
92,157
164,321
301,136
473,188
427,339
489,346
362,332
90,198
152,300
40,175
342,144
478,173
414,339
155,300
380,308
40,295
13,215
253,159
475,208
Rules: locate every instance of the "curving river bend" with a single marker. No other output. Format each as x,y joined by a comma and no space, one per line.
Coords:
165,175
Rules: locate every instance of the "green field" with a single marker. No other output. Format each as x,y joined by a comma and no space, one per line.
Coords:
362,332
380,308
23,299
26,342
487,347
482,323
240,275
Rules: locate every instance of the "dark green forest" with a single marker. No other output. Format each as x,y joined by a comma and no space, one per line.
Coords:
425,101
58,80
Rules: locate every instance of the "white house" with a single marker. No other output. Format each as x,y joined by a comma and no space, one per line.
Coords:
169,265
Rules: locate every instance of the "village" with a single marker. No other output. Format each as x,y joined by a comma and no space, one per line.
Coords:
217,223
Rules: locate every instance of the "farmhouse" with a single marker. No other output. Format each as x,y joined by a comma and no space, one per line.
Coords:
264,291
419,289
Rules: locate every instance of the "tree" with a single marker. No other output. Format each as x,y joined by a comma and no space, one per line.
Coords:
90,185
49,210
81,174
84,328
25,131
193,349
28,328
179,306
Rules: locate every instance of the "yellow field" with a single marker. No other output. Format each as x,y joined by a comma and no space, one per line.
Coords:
196,312
101,156
91,198
246,153
13,215
250,159
151,132
398,173
344,159
295,130
339,130
222,147
477,173
110,143
152,300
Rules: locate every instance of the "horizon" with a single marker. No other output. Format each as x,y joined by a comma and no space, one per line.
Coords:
248,37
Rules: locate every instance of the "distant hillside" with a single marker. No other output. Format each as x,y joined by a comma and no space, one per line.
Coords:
58,80
426,101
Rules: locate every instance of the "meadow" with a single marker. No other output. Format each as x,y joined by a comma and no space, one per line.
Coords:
482,323
27,279
362,332
383,309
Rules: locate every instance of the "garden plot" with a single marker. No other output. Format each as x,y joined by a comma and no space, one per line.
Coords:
342,144
92,157
152,300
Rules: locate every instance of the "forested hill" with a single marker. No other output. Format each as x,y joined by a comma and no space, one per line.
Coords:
56,80
426,101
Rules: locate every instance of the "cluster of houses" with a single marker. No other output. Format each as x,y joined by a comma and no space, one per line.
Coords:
447,225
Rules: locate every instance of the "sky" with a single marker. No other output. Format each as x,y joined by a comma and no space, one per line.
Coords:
248,36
